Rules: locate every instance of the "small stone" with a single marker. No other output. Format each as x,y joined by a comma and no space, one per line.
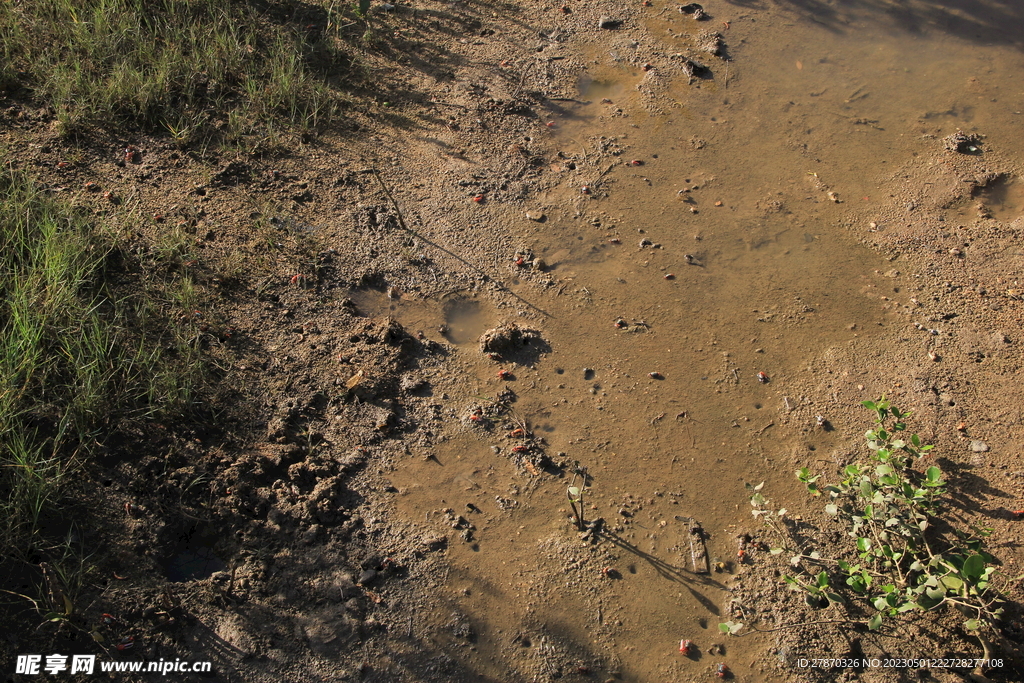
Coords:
367,577
535,216
978,446
608,22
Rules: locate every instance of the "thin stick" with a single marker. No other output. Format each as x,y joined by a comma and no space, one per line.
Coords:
523,79
402,224
754,629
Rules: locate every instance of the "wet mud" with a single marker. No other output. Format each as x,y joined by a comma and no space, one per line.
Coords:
624,271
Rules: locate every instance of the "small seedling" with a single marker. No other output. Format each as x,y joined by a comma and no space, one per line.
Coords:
575,495
730,628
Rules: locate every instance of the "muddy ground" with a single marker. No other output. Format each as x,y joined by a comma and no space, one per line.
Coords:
656,208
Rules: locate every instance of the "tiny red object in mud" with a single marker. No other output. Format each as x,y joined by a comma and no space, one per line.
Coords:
479,198
504,374
550,124
126,643
636,162
585,190
762,378
655,375
685,646
1019,514
722,671
647,67
670,276
520,449
298,279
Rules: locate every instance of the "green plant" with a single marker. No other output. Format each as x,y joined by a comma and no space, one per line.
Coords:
78,358
730,628
905,554
179,65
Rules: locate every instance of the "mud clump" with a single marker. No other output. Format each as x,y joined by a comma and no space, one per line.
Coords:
696,11
514,342
710,42
963,143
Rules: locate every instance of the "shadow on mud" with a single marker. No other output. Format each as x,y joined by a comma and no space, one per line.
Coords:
996,21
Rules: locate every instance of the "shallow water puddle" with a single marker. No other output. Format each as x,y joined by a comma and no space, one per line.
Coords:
725,252
1003,199
459,318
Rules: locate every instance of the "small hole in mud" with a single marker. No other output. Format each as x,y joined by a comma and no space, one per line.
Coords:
632,569
193,559
108,482
354,339
560,371
525,642
812,448
571,166
757,406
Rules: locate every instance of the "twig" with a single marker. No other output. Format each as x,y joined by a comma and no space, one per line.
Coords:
762,429
754,629
583,149
402,224
603,174
523,80
447,104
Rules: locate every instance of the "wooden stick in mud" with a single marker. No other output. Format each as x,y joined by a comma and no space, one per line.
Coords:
698,551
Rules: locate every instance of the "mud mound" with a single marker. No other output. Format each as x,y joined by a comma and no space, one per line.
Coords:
509,341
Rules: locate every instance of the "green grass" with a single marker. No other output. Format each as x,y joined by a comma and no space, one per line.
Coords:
78,358
189,68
